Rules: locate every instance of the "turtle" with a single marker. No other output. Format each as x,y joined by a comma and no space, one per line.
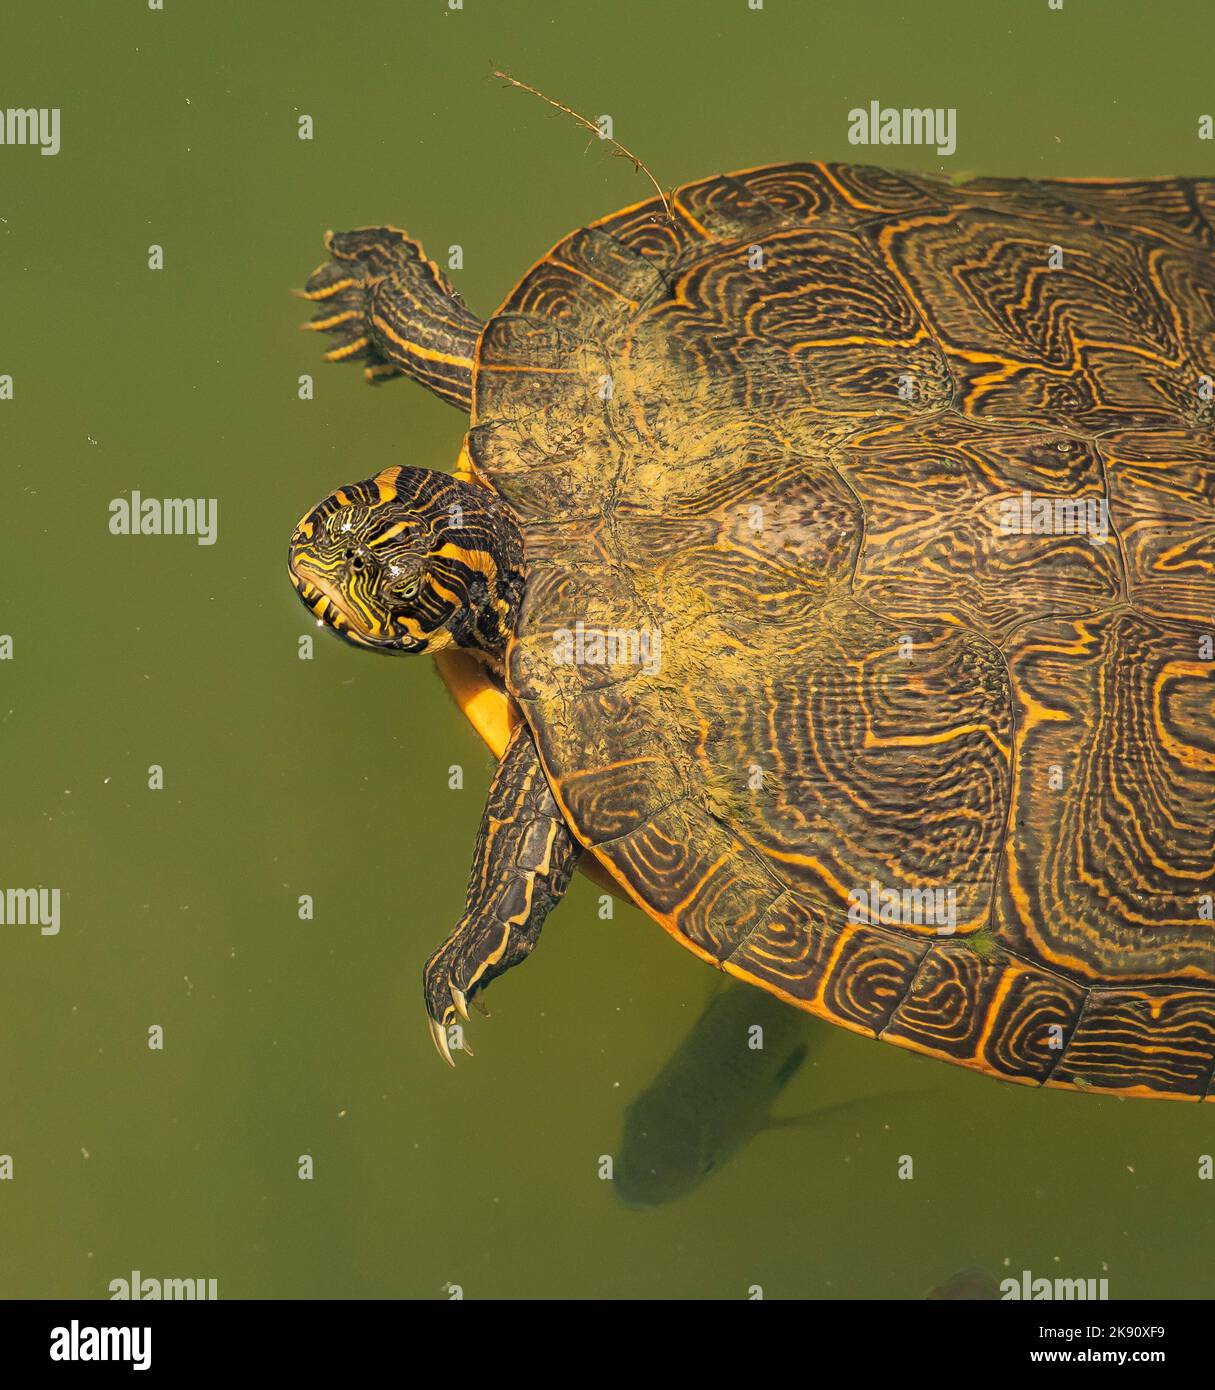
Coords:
830,559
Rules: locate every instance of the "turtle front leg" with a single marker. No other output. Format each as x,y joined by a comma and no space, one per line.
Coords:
522,865
390,305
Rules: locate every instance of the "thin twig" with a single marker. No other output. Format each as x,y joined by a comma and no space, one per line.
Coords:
620,150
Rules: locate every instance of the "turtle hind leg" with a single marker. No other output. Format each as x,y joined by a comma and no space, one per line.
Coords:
522,865
391,307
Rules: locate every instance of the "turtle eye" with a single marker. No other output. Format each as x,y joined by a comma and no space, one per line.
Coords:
409,588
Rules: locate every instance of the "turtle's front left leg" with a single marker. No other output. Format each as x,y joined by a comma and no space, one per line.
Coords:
522,864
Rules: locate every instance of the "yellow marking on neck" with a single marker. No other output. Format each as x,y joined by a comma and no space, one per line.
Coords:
480,560
385,481
435,641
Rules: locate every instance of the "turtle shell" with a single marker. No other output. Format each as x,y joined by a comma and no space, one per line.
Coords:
870,525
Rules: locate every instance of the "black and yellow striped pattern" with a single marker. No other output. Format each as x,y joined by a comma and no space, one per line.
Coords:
411,561
390,306
522,864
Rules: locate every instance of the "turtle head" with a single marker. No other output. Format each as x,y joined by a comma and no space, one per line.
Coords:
411,561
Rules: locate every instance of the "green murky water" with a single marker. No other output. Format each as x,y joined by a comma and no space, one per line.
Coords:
284,777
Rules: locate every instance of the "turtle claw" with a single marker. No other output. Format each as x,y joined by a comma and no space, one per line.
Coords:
439,1034
452,979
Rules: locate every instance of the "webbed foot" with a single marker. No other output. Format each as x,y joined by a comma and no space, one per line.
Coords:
522,865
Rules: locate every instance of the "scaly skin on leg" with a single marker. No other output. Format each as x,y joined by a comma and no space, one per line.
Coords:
522,865
391,307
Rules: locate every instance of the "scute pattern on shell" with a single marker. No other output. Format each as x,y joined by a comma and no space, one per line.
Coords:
779,432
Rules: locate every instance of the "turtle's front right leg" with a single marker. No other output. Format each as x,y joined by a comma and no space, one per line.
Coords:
522,864
390,304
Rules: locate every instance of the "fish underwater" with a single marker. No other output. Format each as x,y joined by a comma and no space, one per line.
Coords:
967,1285
713,1095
